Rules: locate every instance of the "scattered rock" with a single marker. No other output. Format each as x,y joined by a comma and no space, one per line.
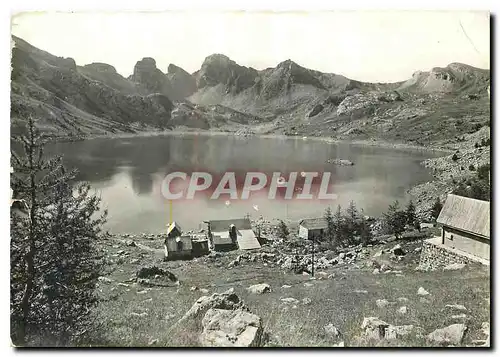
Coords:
459,317
361,291
457,307
385,268
454,266
288,263
331,276
331,331
306,301
308,285
289,300
378,254
403,310
153,272
193,288
104,279
402,299
130,243
376,271
395,332
234,263
485,328
451,334
421,291
231,328
142,314
204,291
286,287
397,250
259,288
381,303
374,328
153,342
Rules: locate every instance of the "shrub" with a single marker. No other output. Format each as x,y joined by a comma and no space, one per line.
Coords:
283,231
454,157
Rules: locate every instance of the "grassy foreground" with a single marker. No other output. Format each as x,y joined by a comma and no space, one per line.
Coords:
133,315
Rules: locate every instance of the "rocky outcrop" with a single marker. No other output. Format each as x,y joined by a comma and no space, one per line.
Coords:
451,334
183,82
219,69
63,99
150,78
455,76
227,300
376,329
231,328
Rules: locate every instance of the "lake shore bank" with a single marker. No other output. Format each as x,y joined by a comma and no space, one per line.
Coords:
326,139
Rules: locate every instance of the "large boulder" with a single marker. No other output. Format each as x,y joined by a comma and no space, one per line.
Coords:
451,334
374,328
259,289
422,292
231,328
227,300
395,332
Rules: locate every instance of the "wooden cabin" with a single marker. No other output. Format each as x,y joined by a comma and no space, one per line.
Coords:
465,225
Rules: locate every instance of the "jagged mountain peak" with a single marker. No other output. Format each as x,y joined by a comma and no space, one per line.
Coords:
220,69
101,67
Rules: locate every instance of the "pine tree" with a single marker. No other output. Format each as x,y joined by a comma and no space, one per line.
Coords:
339,227
395,219
351,220
330,227
54,260
411,216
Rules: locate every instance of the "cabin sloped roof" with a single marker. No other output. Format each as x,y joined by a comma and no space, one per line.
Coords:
174,226
314,223
221,240
247,239
467,214
223,224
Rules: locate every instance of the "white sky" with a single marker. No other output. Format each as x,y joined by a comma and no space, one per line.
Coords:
376,46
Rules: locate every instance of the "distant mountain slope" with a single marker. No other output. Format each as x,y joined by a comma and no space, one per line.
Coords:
62,96
438,106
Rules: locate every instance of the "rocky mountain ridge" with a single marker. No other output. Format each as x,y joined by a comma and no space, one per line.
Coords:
223,95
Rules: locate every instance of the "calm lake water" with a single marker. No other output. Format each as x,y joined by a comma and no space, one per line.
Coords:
128,174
